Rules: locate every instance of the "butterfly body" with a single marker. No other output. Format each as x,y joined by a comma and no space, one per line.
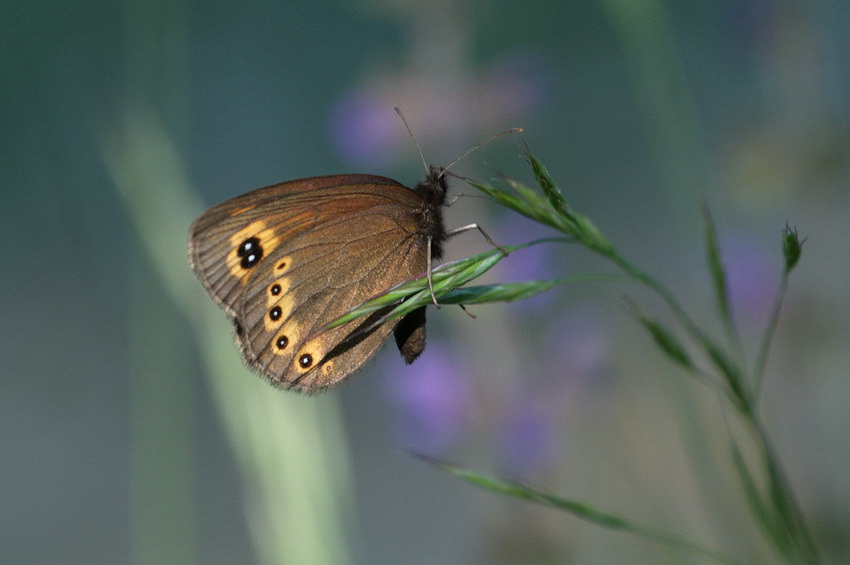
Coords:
285,260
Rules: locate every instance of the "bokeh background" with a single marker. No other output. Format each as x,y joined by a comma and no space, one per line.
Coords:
130,432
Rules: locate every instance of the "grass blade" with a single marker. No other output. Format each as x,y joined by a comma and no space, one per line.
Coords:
580,510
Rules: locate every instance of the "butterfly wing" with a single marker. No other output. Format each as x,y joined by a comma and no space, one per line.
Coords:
286,260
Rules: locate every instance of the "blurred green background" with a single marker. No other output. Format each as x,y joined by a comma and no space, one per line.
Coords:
132,434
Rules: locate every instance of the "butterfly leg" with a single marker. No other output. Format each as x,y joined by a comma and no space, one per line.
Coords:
452,233
470,227
430,282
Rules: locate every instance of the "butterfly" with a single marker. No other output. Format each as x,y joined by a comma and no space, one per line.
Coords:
286,260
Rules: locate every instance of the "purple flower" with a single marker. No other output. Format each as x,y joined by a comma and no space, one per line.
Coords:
527,440
433,398
578,346
752,279
442,111
750,21
365,129
537,262
516,85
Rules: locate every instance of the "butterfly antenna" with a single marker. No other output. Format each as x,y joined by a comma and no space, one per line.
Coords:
479,146
463,155
416,143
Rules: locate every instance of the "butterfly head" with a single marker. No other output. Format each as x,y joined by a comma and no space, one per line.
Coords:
434,188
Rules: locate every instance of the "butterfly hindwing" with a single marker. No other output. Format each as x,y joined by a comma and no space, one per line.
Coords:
318,276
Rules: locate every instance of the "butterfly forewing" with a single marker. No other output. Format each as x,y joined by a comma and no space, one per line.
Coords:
215,237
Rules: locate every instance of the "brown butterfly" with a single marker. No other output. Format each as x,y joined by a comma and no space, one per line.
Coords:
286,260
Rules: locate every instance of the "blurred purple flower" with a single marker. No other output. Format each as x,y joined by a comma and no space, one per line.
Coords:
578,347
573,357
433,398
750,21
527,440
367,131
537,262
363,127
442,111
533,262
516,85
752,280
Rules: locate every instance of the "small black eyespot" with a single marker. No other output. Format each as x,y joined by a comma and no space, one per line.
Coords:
250,251
305,360
282,342
275,289
275,313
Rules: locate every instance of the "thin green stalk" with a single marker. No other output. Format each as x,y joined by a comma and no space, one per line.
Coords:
770,331
775,511
787,508
794,541
730,371
792,250
297,520
721,292
781,495
580,510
